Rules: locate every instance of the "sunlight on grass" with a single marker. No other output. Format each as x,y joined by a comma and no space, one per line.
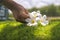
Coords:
18,31
14,24
44,31
6,23
2,26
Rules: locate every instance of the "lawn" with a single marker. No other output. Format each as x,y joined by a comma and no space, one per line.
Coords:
12,30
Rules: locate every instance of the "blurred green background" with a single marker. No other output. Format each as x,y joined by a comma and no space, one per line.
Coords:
50,10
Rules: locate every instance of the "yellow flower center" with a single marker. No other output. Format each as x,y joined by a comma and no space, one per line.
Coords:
33,21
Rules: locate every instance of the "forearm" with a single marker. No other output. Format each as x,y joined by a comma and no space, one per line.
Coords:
10,4
19,12
14,7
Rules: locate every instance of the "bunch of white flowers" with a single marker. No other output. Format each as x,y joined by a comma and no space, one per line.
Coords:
36,17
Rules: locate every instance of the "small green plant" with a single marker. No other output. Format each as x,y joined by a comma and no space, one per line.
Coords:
12,30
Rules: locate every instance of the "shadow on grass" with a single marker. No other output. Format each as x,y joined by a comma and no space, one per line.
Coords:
55,32
21,32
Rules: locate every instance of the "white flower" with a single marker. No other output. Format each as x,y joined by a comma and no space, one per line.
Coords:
36,17
38,13
44,21
32,24
44,17
35,14
31,21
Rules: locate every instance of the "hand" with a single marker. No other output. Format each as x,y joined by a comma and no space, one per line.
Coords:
19,12
21,15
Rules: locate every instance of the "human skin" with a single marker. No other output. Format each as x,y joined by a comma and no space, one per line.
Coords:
19,12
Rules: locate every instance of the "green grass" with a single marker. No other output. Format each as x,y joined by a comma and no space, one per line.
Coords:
12,30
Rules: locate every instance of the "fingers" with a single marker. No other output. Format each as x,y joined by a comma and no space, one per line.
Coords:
24,15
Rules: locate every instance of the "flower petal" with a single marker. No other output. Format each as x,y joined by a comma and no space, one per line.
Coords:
29,24
44,17
44,23
34,24
37,19
28,20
